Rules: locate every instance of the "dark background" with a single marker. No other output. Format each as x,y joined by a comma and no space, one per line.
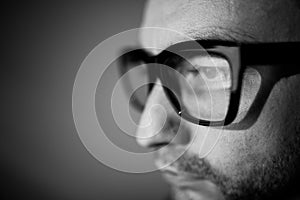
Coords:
42,157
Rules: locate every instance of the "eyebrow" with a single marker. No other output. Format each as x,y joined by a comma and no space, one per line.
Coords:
217,33
222,34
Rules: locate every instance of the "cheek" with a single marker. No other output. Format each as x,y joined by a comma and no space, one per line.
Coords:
250,88
237,152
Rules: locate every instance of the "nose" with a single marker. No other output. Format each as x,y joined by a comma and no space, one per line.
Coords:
159,124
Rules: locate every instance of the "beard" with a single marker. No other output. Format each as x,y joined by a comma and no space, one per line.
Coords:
274,177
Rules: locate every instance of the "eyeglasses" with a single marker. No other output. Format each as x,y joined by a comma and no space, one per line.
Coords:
204,85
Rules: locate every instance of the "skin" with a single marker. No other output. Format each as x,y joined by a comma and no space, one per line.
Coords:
254,163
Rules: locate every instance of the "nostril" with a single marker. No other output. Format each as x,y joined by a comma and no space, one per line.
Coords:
159,145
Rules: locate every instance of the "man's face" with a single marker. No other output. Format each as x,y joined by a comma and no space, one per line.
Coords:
244,163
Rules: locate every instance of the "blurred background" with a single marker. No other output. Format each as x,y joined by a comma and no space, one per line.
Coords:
42,156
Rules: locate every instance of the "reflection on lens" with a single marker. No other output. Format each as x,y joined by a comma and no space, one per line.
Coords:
205,88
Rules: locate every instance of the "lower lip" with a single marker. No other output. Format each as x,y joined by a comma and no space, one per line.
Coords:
181,180
190,184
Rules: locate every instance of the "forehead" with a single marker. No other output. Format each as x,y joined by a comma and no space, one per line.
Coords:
247,20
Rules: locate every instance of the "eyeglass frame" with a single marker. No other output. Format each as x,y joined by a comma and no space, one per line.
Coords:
267,58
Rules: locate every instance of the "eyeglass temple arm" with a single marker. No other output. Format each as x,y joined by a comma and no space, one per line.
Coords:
282,53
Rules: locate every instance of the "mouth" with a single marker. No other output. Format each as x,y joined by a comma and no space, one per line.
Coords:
182,180
173,167
194,184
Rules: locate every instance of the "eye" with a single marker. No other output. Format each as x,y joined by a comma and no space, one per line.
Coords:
209,71
214,74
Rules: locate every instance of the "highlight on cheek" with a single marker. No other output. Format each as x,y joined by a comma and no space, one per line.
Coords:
250,87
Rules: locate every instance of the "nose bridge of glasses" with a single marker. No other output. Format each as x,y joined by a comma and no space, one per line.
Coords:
162,85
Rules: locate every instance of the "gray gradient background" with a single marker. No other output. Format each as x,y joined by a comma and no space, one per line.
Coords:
42,156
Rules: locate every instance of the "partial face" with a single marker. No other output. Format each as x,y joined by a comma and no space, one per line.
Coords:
250,163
